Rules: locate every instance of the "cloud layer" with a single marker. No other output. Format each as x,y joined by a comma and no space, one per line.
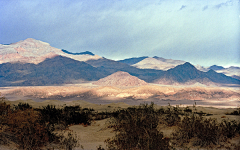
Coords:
202,32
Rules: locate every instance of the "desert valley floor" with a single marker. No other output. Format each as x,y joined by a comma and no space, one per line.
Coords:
186,95
214,100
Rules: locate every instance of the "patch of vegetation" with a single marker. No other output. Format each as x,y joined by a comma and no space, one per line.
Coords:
67,115
188,110
136,128
203,132
69,142
32,128
28,128
4,110
22,106
229,129
235,112
171,116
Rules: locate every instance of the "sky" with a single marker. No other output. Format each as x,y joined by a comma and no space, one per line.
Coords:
204,32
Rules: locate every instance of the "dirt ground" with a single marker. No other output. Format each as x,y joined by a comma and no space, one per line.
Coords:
93,136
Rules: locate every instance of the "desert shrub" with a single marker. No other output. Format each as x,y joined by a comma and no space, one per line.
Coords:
51,114
66,116
76,115
201,113
160,111
4,110
203,132
229,128
235,112
171,116
28,128
136,128
68,142
88,109
22,106
206,132
2,98
188,110
103,115
100,148
186,130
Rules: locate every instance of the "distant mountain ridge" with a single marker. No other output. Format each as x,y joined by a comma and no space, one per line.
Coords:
187,73
180,74
215,67
32,62
111,66
60,70
232,71
54,71
157,63
36,51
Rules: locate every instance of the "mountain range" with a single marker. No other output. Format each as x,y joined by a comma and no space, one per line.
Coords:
32,63
160,63
35,51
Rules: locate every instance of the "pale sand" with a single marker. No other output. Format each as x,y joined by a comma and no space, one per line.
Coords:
221,97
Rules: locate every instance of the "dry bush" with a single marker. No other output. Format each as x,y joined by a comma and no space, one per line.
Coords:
68,142
4,110
51,114
28,128
66,116
171,116
136,129
235,112
22,106
203,132
229,128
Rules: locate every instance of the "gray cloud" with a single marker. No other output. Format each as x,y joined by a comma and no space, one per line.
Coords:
183,6
127,28
205,8
227,3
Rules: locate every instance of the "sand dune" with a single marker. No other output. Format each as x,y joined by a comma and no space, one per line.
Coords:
137,94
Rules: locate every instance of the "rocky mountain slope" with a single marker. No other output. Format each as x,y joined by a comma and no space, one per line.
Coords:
188,74
230,71
52,71
111,66
35,51
158,63
132,61
120,78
